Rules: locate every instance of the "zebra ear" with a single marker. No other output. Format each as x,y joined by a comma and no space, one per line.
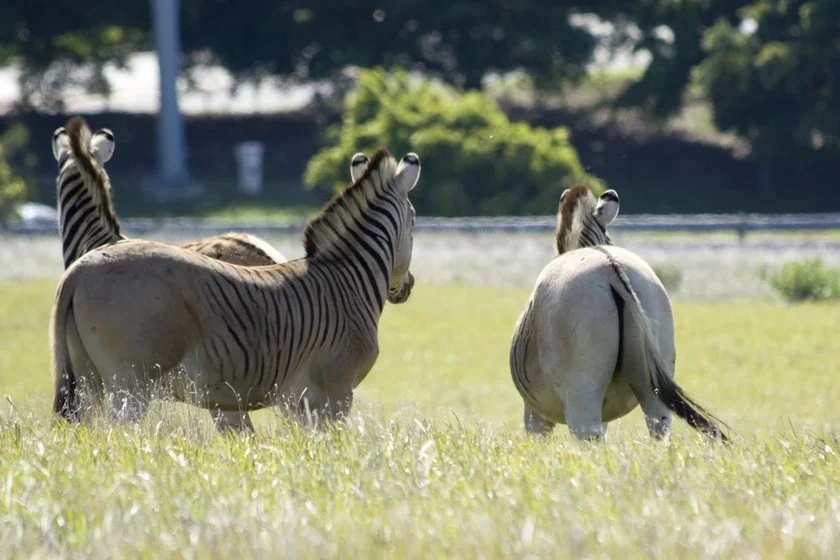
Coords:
60,142
357,166
408,172
607,209
102,145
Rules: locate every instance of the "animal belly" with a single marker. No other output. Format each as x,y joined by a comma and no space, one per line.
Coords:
619,399
203,386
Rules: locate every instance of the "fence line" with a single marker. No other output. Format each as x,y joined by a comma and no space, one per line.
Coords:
741,224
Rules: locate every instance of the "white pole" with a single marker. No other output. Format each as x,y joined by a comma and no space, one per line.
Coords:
173,180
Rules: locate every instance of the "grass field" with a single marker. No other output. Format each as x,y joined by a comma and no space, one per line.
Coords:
433,462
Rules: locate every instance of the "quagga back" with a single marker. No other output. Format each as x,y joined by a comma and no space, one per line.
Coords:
86,216
596,337
302,333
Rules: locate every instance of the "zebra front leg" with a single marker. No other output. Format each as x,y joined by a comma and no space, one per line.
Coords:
338,407
128,394
536,425
235,421
314,409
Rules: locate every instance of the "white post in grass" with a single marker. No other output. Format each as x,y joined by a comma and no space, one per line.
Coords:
173,180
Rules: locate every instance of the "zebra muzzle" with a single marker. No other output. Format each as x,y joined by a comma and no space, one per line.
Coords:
401,294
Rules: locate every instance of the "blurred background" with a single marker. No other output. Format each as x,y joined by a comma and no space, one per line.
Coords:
727,111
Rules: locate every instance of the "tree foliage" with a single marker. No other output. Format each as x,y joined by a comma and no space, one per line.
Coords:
475,161
60,43
780,85
12,184
672,32
458,41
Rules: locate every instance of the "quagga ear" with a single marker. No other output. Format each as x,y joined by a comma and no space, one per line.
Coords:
357,166
102,145
607,209
60,142
408,172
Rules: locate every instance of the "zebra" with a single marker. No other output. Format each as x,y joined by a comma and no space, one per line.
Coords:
304,333
596,336
87,219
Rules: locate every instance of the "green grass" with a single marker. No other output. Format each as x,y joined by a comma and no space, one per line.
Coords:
433,462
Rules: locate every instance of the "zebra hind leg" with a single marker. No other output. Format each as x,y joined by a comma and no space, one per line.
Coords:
536,425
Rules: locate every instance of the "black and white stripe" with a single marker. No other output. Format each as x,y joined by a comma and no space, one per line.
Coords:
304,331
275,319
582,219
86,218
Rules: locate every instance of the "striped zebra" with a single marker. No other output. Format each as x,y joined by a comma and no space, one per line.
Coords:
596,337
135,314
86,212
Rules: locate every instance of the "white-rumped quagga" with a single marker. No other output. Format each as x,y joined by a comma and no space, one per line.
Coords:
596,337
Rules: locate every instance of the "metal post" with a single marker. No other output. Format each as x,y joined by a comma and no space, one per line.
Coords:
173,180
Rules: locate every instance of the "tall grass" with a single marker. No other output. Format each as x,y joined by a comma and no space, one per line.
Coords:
414,488
433,462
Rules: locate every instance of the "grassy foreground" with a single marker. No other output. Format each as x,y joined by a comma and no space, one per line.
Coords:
433,462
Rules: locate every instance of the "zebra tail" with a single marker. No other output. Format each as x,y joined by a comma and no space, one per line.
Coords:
667,390
522,336
64,378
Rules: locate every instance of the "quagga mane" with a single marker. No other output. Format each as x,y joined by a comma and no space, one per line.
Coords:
596,337
231,338
581,225
86,215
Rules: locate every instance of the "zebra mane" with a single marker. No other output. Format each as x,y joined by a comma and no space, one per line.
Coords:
95,178
340,215
577,208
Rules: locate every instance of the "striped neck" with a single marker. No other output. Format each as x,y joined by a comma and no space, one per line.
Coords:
358,230
85,221
577,226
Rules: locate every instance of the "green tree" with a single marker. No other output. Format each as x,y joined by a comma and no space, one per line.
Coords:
475,161
459,41
672,32
60,43
778,86
12,184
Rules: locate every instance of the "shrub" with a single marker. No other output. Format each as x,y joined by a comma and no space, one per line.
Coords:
669,275
808,280
475,161
12,185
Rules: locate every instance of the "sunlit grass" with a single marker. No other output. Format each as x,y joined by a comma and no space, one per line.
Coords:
433,461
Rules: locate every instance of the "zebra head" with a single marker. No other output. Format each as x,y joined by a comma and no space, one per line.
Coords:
582,219
101,145
357,165
408,172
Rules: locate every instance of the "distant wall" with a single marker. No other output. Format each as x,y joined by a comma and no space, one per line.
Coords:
662,174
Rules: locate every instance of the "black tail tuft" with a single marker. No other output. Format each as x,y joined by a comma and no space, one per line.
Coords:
686,408
65,397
